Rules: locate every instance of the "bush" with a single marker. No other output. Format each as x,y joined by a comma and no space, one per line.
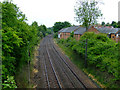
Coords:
17,39
102,52
56,35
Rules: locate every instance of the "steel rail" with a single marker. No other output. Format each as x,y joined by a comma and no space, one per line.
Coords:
70,68
58,81
46,68
63,69
46,73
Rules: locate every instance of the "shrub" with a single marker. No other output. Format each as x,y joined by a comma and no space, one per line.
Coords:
102,52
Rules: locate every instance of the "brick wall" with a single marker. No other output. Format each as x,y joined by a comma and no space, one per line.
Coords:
77,36
113,36
92,29
64,35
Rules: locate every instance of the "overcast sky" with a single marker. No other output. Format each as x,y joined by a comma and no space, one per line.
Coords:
48,12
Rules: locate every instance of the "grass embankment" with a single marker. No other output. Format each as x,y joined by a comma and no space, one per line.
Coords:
22,76
102,78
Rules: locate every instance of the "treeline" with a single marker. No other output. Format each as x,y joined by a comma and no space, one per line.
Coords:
18,41
58,26
114,24
102,53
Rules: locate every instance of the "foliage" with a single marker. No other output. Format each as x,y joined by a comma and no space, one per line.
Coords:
102,52
103,23
43,29
108,24
59,25
55,35
18,40
49,30
9,83
118,24
114,24
87,12
72,34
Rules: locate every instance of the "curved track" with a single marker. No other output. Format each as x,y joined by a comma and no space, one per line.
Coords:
57,71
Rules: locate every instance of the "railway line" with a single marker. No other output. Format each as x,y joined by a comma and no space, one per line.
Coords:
57,71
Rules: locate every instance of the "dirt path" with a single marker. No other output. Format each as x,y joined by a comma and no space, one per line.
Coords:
55,70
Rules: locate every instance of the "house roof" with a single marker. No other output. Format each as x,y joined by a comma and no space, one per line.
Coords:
80,30
69,29
61,30
118,30
107,30
76,29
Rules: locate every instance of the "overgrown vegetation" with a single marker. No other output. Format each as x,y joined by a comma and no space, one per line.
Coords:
18,41
103,56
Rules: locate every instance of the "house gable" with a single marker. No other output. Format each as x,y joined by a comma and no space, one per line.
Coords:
92,29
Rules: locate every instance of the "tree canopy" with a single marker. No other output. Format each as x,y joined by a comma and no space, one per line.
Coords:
87,12
18,39
114,24
103,23
59,25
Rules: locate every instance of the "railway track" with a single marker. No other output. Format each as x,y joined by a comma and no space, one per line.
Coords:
58,71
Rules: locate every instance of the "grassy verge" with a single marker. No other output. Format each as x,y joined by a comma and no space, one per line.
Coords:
21,76
103,79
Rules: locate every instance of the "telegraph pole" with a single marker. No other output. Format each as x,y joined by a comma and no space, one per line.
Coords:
86,53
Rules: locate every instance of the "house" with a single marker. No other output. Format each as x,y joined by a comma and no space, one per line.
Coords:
81,30
113,33
65,32
78,31
118,35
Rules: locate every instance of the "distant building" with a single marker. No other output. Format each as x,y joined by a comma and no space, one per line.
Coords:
113,33
65,32
78,31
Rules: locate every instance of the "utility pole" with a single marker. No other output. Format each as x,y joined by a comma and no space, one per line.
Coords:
86,53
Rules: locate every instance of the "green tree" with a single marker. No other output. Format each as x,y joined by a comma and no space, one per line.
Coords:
103,23
49,30
35,24
59,25
114,24
17,39
118,24
87,12
108,24
66,24
43,29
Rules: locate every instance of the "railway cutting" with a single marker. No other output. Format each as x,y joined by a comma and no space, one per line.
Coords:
55,70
